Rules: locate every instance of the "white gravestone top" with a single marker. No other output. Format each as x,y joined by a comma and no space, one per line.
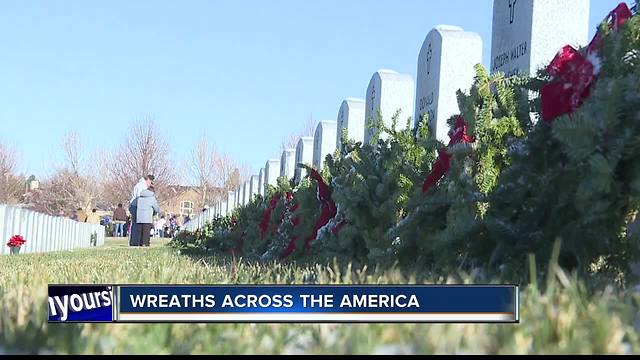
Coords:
304,155
527,34
261,182
231,200
271,173
351,117
245,193
445,65
324,142
288,163
388,92
253,190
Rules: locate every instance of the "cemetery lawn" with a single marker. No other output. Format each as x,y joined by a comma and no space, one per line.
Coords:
563,319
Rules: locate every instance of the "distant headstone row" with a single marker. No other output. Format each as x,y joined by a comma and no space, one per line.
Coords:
526,35
45,233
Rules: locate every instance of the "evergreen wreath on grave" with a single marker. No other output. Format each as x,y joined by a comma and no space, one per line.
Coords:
371,184
444,222
577,175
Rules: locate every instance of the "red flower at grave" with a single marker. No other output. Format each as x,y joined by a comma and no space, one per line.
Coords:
16,241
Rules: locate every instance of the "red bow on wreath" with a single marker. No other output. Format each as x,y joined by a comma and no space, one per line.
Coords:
240,241
266,215
328,211
574,72
288,201
457,135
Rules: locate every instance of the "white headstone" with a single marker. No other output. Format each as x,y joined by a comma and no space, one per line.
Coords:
271,173
253,186
4,227
261,182
387,93
527,34
445,65
224,210
304,155
324,142
288,163
231,201
245,193
351,118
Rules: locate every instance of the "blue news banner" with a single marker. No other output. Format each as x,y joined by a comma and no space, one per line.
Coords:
284,303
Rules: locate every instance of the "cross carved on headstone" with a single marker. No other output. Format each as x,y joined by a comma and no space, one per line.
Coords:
512,10
373,96
429,55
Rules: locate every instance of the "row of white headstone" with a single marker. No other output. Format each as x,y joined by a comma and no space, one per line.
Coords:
45,233
526,35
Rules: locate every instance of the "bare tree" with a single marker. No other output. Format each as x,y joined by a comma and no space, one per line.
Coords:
202,167
214,173
231,173
143,152
308,129
76,183
11,185
85,175
55,193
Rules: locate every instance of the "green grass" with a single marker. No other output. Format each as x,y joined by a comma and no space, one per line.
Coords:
564,319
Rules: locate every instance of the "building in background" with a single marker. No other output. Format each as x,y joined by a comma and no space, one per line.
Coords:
184,200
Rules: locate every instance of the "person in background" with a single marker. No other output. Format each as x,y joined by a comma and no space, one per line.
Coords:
93,217
146,207
160,226
81,216
143,184
127,227
173,225
108,224
119,219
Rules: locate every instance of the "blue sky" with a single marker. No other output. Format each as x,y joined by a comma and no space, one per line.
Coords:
244,73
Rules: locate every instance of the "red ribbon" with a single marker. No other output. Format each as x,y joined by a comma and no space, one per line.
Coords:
574,73
240,242
616,18
328,211
266,215
441,166
290,248
287,205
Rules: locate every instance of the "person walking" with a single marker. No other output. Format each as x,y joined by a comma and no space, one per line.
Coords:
143,184
160,224
119,219
93,217
81,216
146,207
173,225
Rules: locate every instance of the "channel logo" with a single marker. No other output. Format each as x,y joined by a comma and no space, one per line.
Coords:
81,303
